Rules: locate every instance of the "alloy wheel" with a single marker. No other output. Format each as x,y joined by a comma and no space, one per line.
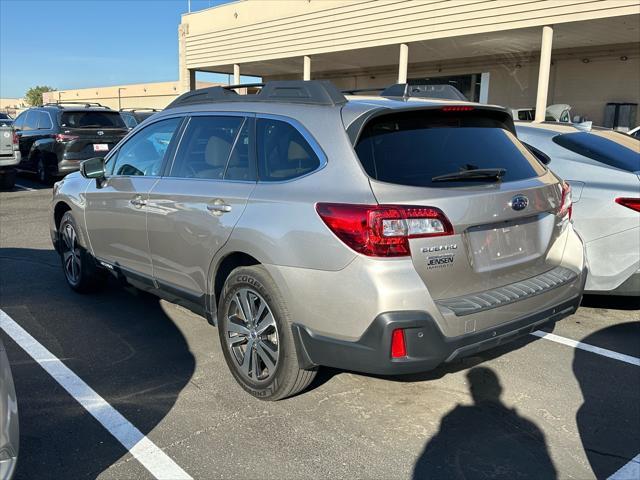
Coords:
252,335
71,254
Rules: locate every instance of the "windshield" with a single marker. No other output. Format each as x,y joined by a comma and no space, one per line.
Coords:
92,119
611,148
413,148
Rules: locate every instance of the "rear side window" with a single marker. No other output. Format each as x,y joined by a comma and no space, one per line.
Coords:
611,148
410,148
205,148
19,123
91,119
283,153
44,121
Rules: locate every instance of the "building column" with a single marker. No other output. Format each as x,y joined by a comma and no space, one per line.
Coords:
306,69
543,74
403,63
236,74
187,77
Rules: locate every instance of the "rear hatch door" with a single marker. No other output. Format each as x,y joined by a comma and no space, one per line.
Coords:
91,133
506,226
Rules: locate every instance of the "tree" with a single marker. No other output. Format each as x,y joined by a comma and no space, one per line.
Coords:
34,95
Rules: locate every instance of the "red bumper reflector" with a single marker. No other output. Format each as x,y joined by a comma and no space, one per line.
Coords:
398,348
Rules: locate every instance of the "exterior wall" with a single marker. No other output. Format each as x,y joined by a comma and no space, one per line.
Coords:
513,81
11,105
259,30
140,95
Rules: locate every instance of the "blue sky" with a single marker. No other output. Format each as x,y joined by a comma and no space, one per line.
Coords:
90,43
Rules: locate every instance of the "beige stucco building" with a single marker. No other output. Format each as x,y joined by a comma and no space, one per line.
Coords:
511,52
137,95
11,105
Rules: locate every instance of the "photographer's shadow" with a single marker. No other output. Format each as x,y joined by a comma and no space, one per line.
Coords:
485,440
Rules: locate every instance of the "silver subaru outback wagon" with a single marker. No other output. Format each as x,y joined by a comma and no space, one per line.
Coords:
380,235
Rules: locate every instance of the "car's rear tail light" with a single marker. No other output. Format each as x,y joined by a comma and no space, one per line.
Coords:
398,347
457,108
632,203
566,203
16,141
383,230
63,137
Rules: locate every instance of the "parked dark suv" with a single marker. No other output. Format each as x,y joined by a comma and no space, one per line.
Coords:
56,137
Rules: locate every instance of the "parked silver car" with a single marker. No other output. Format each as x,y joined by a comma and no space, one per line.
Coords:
9,427
382,235
603,168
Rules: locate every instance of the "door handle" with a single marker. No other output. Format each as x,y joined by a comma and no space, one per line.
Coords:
138,202
218,207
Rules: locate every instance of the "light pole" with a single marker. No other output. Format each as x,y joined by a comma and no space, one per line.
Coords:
120,89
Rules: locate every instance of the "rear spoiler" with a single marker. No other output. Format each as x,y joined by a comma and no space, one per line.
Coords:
354,130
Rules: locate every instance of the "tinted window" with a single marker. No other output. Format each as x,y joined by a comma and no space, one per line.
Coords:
18,124
31,122
283,153
44,121
144,153
412,148
206,147
129,120
611,148
241,165
4,116
92,119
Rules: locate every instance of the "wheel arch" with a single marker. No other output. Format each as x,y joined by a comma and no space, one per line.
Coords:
219,272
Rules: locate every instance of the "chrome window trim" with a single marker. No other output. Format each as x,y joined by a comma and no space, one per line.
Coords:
315,146
129,136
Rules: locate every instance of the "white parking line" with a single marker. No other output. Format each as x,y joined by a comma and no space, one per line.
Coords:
630,471
144,450
589,348
22,187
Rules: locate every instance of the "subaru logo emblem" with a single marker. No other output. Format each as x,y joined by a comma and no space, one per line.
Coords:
100,132
519,202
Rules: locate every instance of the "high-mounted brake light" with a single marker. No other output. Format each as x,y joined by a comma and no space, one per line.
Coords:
63,137
632,203
398,347
566,203
383,230
457,108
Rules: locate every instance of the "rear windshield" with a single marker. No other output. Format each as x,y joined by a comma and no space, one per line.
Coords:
92,119
411,148
611,148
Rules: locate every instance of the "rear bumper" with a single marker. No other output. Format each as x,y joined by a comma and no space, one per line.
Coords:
68,166
8,161
427,347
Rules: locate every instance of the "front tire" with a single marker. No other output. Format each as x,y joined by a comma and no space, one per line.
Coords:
255,334
79,266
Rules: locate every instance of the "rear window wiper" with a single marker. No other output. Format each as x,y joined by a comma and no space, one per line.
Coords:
475,174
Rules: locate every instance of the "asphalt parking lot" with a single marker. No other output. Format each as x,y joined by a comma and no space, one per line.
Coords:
536,408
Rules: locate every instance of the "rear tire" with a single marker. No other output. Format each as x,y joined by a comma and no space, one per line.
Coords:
80,269
258,345
44,177
8,179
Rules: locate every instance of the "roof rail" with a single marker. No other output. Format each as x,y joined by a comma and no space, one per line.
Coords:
86,104
141,109
309,92
424,90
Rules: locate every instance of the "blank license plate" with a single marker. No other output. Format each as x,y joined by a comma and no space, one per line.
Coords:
100,147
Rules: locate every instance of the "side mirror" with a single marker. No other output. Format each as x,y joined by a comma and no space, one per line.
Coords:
539,154
93,168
